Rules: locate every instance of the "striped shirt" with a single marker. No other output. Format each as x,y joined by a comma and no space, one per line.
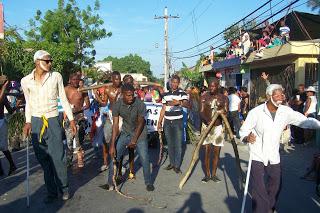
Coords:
173,112
41,98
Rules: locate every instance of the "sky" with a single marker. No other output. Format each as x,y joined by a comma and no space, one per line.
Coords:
134,29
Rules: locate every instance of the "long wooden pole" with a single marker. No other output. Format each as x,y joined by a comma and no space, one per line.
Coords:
195,155
148,83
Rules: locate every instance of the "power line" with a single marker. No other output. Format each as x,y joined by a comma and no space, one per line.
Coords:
293,2
225,29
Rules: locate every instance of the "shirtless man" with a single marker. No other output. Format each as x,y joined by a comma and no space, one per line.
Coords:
4,129
212,101
76,100
111,95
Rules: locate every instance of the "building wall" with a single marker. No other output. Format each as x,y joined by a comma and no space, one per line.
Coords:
300,68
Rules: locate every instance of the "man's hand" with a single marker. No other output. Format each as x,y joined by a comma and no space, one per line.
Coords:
27,129
5,85
264,76
73,127
132,145
251,138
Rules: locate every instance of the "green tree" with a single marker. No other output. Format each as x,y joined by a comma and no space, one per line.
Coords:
314,4
15,60
194,75
68,33
131,63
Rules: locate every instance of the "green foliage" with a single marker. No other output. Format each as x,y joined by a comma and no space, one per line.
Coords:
193,75
68,33
15,60
131,64
234,32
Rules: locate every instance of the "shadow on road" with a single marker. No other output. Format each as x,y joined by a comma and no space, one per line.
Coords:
192,205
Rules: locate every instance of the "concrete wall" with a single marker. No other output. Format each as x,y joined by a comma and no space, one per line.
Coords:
300,68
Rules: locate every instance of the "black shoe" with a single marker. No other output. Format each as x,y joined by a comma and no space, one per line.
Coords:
50,199
215,179
169,167
178,171
12,170
205,179
65,196
150,188
107,187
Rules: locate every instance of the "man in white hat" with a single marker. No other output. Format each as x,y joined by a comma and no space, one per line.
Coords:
263,129
41,89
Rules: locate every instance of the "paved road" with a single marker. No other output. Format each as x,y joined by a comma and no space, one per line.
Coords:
296,195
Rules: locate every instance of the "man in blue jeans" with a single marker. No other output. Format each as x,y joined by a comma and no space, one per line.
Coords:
133,133
172,111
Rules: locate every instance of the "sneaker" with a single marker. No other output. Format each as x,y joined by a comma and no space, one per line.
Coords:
12,170
107,187
177,170
104,168
65,196
215,179
150,188
205,179
50,199
169,167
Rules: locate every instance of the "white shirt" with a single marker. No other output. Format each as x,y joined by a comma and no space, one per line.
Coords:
234,102
41,98
268,131
247,42
313,105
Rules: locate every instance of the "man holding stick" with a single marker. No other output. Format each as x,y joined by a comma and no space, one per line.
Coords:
133,133
76,100
211,102
41,89
262,129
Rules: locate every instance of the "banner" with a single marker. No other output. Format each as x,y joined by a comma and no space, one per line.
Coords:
1,22
152,116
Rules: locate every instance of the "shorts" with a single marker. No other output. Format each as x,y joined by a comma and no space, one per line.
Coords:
215,137
4,135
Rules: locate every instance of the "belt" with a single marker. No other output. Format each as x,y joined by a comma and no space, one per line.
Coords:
45,126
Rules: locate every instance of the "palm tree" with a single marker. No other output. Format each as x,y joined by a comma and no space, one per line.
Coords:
314,4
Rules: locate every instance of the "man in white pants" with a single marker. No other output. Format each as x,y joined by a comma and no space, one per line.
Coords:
262,129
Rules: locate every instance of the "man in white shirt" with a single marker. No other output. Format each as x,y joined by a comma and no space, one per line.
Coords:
234,110
245,41
41,89
262,129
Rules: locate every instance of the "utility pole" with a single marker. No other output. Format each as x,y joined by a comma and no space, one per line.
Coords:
166,52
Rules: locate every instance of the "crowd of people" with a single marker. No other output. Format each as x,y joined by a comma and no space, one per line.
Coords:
270,37
55,115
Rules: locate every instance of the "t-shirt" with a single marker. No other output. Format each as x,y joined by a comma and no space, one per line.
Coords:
130,114
234,102
247,42
174,112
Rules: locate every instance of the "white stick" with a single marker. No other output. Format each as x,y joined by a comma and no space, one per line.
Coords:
246,186
27,180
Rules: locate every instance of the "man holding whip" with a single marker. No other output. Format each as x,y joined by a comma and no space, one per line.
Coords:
41,89
262,129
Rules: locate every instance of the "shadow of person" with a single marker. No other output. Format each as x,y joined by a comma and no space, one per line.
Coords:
192,205
135,211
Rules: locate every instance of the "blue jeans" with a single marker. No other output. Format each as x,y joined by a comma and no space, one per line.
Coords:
142,149
173,130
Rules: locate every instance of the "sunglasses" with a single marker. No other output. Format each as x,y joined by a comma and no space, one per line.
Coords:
47,61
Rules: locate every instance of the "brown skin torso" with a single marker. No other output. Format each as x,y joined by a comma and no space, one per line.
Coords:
75,98
112,94
206,111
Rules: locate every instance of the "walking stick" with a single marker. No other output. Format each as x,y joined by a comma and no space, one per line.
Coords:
27,178
246,185
161,147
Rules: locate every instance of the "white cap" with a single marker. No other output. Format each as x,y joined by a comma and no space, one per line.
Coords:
310,89
40,55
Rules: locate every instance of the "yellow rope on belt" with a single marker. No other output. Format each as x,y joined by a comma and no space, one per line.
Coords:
44,127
